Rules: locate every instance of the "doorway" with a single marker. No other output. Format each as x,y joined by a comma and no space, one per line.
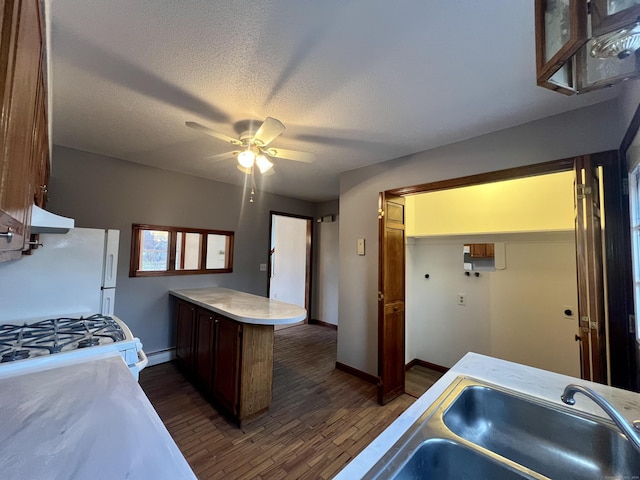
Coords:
502,274
289,266
591,321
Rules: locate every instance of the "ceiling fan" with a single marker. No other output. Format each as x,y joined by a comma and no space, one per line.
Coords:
253,147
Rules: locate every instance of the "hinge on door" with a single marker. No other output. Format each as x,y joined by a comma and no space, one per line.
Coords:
380,296
593,325
632,323
582,191
380,213
625,186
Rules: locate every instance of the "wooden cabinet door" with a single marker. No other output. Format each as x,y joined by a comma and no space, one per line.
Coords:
186,334
20,57
204,349
226,362
481,250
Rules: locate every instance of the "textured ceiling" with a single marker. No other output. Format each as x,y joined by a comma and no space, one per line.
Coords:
355,82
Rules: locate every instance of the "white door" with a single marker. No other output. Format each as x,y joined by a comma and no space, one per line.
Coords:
289,259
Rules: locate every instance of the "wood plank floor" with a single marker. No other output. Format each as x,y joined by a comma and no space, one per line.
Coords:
320,418
418,379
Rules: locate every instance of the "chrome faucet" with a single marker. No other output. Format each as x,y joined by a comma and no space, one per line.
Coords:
632,432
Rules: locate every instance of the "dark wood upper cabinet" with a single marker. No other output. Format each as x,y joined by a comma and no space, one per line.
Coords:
481,250
610,15
24,145
575,51
561,30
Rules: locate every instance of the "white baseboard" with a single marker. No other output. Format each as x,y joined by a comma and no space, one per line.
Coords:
163,356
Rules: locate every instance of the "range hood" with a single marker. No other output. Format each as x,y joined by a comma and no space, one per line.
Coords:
47,222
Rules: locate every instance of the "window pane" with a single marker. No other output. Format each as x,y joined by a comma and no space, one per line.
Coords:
188,251
216,251
615,6
556,26
154,250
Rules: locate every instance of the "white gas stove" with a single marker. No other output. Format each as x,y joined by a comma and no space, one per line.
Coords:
48,342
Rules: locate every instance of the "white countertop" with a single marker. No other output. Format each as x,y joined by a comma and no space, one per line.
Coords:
84,420
532,381
243,307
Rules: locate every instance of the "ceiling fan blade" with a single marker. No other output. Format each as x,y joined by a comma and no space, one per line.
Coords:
208,131
223,156
270,129
291,155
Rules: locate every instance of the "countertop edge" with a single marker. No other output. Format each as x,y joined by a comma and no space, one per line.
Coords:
531,381
182,294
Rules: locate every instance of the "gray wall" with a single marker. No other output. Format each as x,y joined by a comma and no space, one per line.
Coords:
104,192
592,129
326,271
629,100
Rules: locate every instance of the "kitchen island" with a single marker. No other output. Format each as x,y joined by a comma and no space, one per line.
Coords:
83,419
540,384
225,345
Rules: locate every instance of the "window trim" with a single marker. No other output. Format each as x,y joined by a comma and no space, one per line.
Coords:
137,228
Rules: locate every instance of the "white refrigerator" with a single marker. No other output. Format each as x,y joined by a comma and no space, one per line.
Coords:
71,274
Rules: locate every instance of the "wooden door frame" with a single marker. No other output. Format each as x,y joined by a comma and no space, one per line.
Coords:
626,298
308,254
617,254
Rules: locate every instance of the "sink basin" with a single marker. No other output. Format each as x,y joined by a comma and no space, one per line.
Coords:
438,458
476,430
552,441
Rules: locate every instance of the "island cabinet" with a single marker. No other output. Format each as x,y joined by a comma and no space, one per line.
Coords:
231,362
186,325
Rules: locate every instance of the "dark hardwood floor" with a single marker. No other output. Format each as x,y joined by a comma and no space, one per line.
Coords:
418,379
320,418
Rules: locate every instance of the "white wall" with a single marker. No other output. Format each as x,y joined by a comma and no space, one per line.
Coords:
438,329
592,129
527,304
515,314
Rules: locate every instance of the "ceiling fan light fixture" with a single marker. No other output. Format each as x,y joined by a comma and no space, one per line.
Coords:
246,158
244,169
264,165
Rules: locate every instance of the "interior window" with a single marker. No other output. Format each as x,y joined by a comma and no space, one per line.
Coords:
160,250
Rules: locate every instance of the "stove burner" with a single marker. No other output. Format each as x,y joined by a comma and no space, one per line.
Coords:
20,341
88,342
14,355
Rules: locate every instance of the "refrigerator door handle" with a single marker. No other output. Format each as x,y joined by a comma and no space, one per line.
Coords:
110,270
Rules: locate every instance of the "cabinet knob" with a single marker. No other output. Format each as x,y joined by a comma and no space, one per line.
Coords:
8,234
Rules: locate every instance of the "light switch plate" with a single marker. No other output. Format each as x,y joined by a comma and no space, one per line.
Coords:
263,267
361,246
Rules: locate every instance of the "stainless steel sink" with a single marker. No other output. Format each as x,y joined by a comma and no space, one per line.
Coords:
549,439
476,430
438,458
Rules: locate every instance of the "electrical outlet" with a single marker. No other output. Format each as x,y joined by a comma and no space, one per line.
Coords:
462,299
263,267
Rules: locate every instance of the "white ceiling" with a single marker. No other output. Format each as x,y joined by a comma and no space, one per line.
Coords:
355,82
